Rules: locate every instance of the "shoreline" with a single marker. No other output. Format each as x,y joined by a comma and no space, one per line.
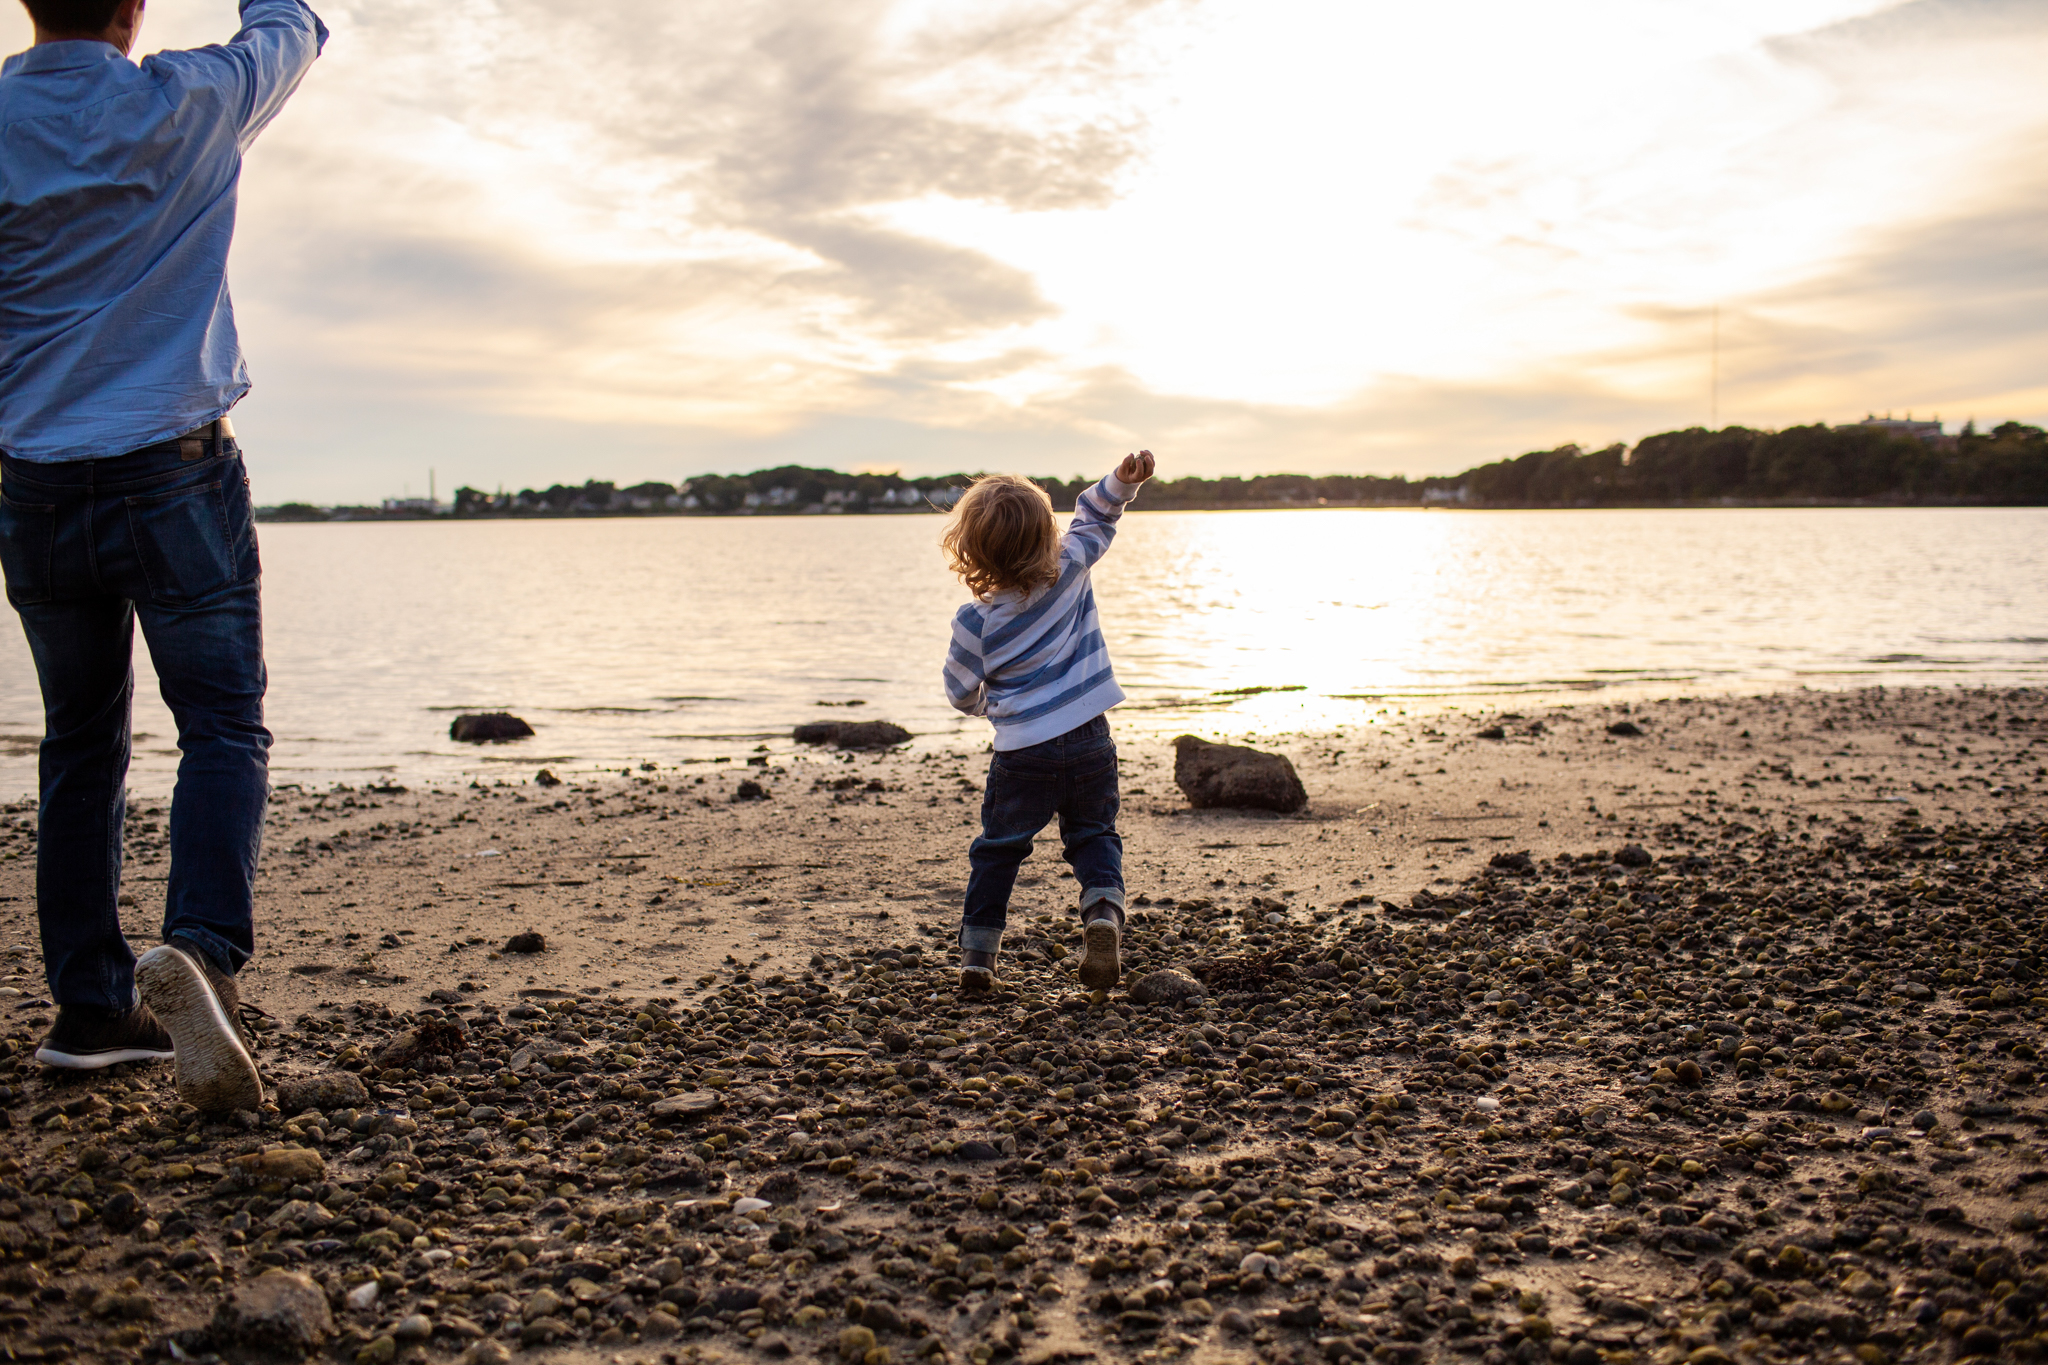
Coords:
1146,722
374,515
1829,887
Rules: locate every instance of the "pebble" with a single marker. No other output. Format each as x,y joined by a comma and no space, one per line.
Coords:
695,1104
290,1165
328,1090
278,1311
1166,987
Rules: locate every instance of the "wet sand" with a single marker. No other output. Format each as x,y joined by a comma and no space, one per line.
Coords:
1649,1091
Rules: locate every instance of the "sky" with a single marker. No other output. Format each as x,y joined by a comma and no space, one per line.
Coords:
518,242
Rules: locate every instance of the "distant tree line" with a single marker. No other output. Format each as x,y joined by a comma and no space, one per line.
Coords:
1195,493
1866,462
793,489
784,489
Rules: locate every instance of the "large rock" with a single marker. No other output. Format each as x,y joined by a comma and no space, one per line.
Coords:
852,734
489,726
277,1311
1228,775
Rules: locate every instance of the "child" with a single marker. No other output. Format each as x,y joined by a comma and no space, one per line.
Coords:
1028,654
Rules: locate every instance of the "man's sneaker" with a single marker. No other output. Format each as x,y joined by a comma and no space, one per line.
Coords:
977,972
185,993
1101,938
226,991
86,1039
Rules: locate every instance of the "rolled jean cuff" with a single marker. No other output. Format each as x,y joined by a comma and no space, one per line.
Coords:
210,945
976,939
1095,895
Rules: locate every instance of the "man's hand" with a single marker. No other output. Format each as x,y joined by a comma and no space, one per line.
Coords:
1136,468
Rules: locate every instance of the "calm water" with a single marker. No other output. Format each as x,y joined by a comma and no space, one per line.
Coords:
624,641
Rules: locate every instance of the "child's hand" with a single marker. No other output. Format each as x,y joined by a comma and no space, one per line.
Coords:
1136,468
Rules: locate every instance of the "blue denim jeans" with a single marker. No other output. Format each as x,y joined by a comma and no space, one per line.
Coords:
1072,777
89,546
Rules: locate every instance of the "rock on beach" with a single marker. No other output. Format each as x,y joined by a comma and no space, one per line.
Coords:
289,1165
1166,987
1215,776
436,1038
852,734
488,727
328,1090
278,1311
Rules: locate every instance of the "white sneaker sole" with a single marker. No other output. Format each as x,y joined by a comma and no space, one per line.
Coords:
215,1074
93,1061
1100,968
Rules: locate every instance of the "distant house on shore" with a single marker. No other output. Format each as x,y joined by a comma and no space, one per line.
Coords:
1930,432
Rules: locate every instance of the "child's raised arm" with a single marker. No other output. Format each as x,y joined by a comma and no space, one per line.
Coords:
1097,509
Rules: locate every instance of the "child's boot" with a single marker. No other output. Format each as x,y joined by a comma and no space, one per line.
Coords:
978,948
1102,935
977,971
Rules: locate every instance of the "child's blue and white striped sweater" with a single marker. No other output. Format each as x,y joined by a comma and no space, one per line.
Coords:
1035,663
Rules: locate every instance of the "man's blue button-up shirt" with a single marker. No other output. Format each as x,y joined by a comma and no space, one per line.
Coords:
117,205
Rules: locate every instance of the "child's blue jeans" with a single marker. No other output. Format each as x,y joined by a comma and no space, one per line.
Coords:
1072,777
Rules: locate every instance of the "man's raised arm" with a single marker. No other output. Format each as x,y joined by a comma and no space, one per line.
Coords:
263,63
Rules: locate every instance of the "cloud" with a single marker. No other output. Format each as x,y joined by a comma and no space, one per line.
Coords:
663,215
908,286
756,136
1950,313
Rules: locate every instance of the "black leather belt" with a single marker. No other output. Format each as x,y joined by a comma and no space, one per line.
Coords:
201,442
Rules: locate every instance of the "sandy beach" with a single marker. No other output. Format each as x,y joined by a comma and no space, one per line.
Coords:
1526,1040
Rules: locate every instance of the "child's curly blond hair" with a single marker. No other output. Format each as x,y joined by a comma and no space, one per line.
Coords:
1003,537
